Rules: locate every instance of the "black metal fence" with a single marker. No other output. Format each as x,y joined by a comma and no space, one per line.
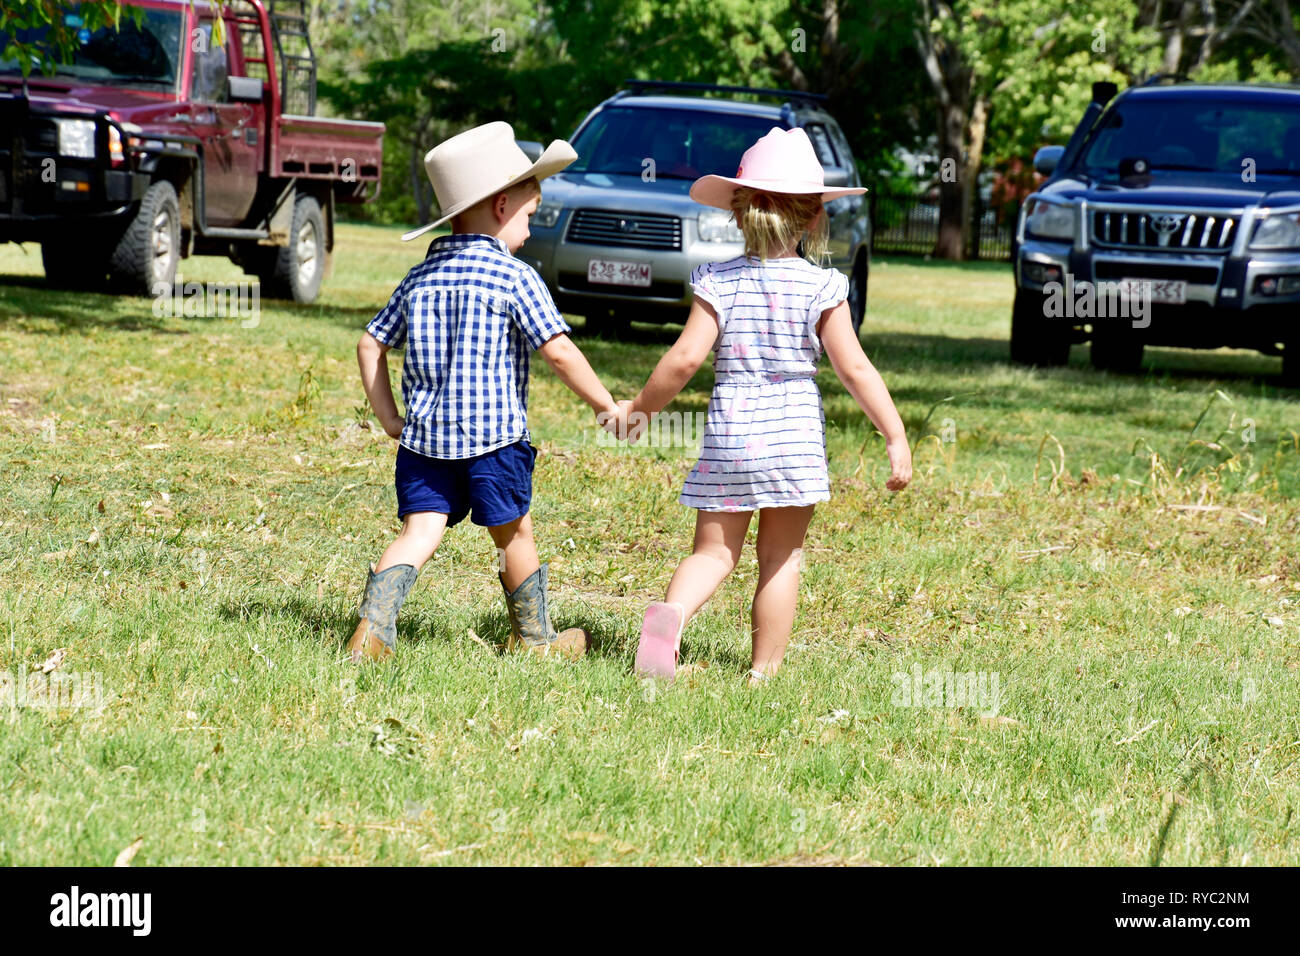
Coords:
908,223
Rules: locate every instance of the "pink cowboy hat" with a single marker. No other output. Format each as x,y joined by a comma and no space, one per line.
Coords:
783,161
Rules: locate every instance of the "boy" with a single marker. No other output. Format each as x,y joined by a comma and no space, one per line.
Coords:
469,315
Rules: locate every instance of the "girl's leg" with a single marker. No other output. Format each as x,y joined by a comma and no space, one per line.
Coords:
719,538
780,546
420,536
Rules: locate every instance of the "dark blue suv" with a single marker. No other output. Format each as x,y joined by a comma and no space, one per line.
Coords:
1172,217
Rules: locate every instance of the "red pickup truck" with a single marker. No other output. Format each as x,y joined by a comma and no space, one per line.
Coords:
174,136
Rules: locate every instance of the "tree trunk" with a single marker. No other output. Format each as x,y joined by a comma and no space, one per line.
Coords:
422,206
951,243
976,130
951,81
1174,42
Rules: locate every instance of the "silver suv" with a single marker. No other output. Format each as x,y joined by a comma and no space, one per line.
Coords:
616,236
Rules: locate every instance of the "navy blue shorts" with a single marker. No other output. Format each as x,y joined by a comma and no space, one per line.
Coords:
498,486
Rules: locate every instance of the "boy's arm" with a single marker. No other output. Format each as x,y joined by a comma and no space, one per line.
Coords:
572,368
681,361
868,390
546,331
372,357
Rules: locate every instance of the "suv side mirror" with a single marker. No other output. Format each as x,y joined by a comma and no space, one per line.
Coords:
244,89
532,150
835,176
1047,158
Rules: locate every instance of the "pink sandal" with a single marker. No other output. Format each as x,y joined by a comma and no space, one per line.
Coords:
661,641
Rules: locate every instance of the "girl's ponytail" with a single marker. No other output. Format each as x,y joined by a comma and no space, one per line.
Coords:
775,221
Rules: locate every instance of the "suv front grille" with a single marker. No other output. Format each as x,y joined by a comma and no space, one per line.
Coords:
1195,275
1164,230
596,227
42,136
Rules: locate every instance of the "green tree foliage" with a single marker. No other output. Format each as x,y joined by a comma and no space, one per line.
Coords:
61,25
981,83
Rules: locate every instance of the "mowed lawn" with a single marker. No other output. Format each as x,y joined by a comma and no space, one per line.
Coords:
188,506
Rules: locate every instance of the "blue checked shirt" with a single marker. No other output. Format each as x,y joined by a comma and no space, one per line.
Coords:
469,315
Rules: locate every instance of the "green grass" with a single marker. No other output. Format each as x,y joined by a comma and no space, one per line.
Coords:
188,508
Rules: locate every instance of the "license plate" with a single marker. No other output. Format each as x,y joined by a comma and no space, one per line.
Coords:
1163,291
616,272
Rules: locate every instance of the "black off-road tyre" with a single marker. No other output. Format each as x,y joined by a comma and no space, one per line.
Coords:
79,264
858,292
295,271
1116,348
1291,363
149,251
1037,339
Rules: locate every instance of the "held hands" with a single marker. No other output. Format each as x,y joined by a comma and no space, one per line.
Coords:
900,464
621,422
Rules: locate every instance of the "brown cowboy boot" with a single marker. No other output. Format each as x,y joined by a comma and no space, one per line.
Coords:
376,635
530,622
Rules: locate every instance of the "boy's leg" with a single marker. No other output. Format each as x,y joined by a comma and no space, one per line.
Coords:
390,581
780,547
419,538
719,538
516,551
523,579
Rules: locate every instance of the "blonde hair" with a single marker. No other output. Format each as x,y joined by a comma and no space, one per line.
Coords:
773,222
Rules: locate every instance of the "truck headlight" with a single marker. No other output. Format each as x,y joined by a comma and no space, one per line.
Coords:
1277,232
716,225
1049,221
76,138
547,214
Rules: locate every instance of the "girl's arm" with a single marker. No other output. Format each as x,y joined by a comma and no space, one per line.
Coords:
868,390
372,357
681,362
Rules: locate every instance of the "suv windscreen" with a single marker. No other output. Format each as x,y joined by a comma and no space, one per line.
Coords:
1196,134
147,52
684,144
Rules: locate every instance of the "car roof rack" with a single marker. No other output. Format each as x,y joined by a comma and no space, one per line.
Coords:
639,87
1164,77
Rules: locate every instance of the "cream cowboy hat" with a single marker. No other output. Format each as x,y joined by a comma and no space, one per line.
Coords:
481,162
783,161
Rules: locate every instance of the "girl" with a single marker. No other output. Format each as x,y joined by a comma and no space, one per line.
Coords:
766,316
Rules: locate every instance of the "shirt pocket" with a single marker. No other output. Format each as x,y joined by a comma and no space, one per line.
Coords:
478,372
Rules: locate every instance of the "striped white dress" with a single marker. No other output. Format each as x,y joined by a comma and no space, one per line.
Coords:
764,443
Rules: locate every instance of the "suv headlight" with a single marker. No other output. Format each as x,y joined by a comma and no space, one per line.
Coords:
76,138
1277,232
716,225
1049,221
547,215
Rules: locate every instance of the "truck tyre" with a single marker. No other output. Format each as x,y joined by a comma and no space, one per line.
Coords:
1291,363
1037,339
83,272
858,292
1116,349
295,271
148,252
607,323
